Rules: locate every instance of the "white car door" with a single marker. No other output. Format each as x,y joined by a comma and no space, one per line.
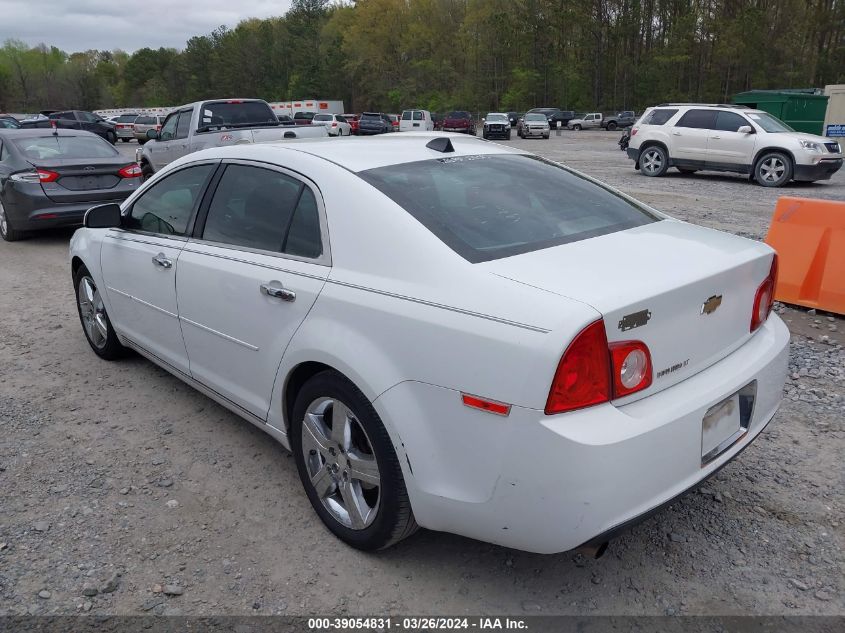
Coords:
140,261
248,279
726,146
688,141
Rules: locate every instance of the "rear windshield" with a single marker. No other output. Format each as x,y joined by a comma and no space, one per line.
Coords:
146,120
492,206
458,115
236,114
371,115
322,117
126,118
659,116
48,147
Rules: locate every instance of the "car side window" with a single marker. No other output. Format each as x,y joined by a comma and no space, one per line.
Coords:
729,122
252,207
168,131
659,116
3,153
303,238
166,207
418,115
406,115
184,124
700,119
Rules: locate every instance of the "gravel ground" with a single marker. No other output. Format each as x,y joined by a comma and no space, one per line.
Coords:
125,492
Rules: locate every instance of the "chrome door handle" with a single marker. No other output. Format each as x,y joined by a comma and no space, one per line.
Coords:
676,133
716,137
161,260
277,292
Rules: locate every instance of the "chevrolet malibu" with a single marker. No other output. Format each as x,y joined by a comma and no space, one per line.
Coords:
447,333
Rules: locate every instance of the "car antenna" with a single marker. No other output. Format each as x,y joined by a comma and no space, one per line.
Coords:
440,144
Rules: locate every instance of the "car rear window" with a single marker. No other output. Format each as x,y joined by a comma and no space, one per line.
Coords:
491,206
50,147
371,115
659,116
126,118
322,117
458,115
145,120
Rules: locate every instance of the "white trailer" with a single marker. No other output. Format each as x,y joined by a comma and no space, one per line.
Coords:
318,106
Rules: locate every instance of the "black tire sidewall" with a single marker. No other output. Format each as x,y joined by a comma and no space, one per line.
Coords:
787,175
611,126
380,532
113,348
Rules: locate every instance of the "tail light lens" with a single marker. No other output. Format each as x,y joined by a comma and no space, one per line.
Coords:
130,171
764,299
634,131
591,371
45,175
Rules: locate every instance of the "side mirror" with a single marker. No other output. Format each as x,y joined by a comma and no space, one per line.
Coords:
153,135
103,216
745,129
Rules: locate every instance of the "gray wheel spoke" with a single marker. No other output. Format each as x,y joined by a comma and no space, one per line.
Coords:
100,327
341,427
354,504
314,434
364,469
323,482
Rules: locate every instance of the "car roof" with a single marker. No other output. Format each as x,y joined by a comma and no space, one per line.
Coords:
44,131
360,153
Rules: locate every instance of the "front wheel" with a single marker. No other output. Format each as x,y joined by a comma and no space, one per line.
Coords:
509,135
654,161
576,127
95,321
773,169
348,465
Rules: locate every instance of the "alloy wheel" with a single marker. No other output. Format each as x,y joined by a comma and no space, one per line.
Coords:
341,463
652,162
772,170
93,312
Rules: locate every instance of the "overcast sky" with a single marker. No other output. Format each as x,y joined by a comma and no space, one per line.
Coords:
78,25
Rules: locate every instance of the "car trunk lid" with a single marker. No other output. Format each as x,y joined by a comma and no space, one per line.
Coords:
687,292
82,179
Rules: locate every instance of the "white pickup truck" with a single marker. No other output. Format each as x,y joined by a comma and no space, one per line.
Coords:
215,123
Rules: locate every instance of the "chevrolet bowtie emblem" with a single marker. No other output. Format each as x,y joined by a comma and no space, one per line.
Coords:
711,305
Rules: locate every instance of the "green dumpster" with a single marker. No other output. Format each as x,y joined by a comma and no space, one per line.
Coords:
802,110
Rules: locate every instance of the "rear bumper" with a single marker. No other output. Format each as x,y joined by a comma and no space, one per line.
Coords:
548,484
822,170
124,133
29,211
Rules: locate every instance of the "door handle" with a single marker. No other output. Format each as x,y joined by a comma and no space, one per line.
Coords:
277,292
717,137
676,133
162,261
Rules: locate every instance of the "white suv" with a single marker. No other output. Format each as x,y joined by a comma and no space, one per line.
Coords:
694,137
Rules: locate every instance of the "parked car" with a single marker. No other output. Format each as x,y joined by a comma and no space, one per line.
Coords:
9,122
124,126
335,124
496,125
555,116
303,118
626,118
49,178
74,120
695,137
437,119
374,123
591,120
514,117
352,119
459,121
394,121
533,124
416,120
626,385
214,123
144,123
286,119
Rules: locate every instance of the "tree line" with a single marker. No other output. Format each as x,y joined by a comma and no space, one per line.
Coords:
445,54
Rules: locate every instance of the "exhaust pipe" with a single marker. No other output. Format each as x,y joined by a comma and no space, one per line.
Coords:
593,550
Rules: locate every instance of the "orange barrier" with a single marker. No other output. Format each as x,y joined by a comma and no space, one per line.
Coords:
809,236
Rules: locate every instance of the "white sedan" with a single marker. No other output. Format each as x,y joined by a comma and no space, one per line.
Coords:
446,332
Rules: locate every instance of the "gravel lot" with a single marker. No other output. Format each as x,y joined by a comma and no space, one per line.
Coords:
121,485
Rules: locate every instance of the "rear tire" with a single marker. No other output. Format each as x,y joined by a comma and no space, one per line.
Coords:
6,231
327,462
111,137
654,161
611,126
773,169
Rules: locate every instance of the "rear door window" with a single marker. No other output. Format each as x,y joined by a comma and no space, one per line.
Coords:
700,119
490,206
418,116
406,115
659,116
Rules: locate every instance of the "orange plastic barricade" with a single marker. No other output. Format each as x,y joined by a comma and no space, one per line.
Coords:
809,237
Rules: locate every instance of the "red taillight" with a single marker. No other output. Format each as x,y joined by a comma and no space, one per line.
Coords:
582,378
45,175
130,171
631,367
334,124
765,297
633,131
491,406
592,372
